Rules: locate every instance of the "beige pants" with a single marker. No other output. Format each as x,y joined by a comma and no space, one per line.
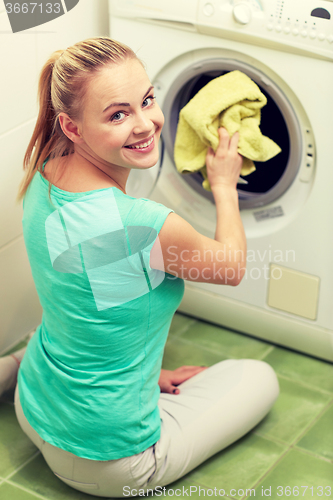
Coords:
214,409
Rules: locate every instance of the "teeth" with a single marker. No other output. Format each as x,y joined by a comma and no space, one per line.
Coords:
141,146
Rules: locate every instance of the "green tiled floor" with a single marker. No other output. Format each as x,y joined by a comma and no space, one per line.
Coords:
289,454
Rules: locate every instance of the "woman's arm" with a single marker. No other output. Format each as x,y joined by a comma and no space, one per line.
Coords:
190,255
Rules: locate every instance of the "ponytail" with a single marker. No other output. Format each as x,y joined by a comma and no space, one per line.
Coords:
61,89
44,137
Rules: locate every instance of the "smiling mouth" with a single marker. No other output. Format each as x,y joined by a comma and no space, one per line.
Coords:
142,145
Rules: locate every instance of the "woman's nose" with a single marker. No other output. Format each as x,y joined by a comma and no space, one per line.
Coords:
143,123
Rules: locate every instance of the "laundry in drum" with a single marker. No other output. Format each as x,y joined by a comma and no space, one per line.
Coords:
233,101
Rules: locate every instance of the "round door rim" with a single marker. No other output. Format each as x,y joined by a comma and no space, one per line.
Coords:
275,92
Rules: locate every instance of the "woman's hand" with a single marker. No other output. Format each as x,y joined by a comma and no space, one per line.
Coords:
169,380
224,166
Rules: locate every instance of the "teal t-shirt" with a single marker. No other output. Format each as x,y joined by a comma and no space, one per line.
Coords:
88,382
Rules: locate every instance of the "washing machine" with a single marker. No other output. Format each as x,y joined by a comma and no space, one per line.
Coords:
286,48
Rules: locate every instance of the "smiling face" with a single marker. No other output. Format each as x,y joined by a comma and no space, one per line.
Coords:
121,122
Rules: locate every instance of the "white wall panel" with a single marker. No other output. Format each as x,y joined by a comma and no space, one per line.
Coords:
89,18
18,62
20,311
12,147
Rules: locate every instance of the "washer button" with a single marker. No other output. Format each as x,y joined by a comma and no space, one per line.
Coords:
242,13
270,26
286,30
208,9
313,34
295,31
330,38
321,36
278,28
304,33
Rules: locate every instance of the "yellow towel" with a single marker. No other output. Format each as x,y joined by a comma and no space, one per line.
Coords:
232,101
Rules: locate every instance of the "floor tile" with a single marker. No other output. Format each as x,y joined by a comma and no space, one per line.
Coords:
295,470
225,342
295,409
37,477
10,492
15,447
183,488
319,439
309,371
180,323
239,466
178,352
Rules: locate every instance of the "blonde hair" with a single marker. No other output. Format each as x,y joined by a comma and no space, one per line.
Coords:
62,86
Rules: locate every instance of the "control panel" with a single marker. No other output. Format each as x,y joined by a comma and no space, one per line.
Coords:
305,25
301,26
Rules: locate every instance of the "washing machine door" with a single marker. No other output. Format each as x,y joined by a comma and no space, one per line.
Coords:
278,122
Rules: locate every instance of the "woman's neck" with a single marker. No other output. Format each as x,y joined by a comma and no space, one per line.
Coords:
80,173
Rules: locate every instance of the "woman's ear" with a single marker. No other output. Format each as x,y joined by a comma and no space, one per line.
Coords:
70,128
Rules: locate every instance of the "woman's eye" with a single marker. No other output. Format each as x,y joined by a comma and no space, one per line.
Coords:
117,117
148,101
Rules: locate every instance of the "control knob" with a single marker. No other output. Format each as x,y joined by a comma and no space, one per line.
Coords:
242,13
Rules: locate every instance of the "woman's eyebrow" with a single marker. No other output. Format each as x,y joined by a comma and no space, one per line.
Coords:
148,91
126,103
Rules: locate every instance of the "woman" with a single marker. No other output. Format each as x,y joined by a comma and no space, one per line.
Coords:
91,393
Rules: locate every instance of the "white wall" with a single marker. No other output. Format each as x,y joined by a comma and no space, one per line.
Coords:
21,57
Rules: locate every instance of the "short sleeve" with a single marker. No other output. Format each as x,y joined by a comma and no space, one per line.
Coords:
147,213
143,224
